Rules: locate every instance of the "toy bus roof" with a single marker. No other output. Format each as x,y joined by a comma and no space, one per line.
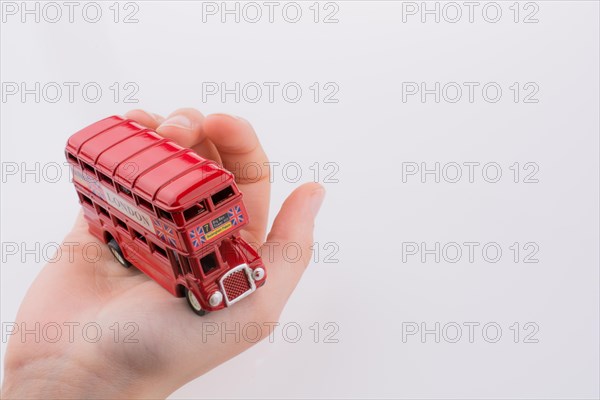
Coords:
155,168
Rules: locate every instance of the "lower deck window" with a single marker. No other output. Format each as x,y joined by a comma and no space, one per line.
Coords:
160,250
120,223
139,236
101,210
86,200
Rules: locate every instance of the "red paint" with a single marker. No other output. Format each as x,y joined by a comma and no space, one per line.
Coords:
174,215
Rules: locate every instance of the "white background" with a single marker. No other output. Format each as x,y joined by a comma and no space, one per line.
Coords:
370,293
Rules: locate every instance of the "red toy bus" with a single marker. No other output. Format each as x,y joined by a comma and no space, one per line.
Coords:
166,210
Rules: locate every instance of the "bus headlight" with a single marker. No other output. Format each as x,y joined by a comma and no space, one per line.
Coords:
258,274
215,299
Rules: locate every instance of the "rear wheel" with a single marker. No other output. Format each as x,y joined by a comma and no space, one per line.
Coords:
116,251
194,303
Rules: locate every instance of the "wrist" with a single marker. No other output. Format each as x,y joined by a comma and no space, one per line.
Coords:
65,379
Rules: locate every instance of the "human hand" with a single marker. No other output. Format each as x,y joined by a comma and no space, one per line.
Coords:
172,345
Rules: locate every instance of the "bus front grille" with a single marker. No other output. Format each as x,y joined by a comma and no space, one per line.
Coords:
235,285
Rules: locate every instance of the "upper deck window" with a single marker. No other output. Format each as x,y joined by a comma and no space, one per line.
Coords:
105,178
142,202
194,210
88,167
222,195
72,158
124,190
163,214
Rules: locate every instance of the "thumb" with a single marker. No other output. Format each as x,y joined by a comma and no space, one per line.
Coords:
288,249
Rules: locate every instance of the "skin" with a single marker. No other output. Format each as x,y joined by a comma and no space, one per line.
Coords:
174,346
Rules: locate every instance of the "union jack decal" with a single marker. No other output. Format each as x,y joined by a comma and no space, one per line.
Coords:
235,215
164,232
197,235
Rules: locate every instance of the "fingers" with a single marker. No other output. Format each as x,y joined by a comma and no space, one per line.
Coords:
293,226
145,118
231,142
238,145
242,154
185,127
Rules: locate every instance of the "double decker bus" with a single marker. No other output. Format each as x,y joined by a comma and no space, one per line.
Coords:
169,212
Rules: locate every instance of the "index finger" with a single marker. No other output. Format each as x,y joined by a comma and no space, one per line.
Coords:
242,154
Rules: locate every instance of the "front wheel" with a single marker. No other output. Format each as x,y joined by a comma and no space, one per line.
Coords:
194,303
116,251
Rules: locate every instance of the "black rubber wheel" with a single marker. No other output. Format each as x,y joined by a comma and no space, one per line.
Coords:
116,251
194,303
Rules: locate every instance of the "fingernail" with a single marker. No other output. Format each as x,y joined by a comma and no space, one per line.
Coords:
316,200
149,114
158,118
178,121
242,119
